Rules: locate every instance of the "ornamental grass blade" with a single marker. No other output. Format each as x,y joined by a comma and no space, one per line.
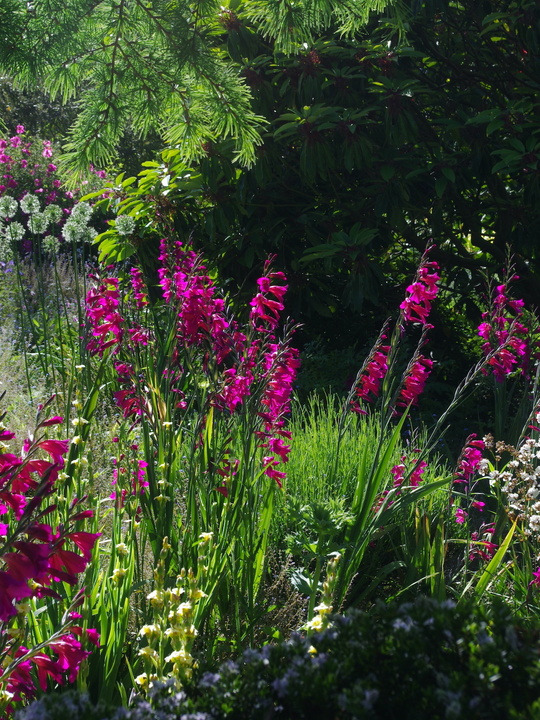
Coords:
371,483
491,569
493,566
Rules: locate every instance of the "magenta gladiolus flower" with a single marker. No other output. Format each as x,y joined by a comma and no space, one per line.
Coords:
482,548
19,129
139,288
267,308
55,420
415,381
513,350
460,516
11,591
107,324
85,541
470,458
375,372
421,293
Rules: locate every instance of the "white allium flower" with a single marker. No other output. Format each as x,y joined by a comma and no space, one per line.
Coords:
125,224
6,251
8,206
73,231
82,211
38,223
14,231
90,234
53,213
51,244
30,204
534,522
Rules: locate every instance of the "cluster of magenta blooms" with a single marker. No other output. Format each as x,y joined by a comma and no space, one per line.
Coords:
507,347
243,363
13,163
237,360
36,558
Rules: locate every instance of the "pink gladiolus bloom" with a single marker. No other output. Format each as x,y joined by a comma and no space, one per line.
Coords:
478,505
415,478
398,474
31,562
416,475
56,449
92,636
65,565
513,352
460,516
281,365
11,591
421,293
70,655
277,446
85,541
265,308
535,582
83,514
19,129
102,312
55,420
270,463
415,381
470,458
139,288
483,549
237,388
375,372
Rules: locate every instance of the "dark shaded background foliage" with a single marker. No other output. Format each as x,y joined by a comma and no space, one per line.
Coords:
375,148
415,660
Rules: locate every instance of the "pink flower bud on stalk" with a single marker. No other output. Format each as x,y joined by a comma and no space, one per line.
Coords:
481,546
203,325
420,294
139,289
415,308
501,329
469,460
33,559
415,380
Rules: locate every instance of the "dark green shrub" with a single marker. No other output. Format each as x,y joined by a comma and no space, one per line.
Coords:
413,661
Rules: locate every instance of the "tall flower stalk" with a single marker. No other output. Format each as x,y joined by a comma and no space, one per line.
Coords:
208,400
42,550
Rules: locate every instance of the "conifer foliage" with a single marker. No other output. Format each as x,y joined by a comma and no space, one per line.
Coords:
154,65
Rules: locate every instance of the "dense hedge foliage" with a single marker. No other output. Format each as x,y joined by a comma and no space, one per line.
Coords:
415,660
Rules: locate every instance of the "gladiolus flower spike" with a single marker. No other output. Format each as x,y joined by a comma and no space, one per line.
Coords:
33,558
